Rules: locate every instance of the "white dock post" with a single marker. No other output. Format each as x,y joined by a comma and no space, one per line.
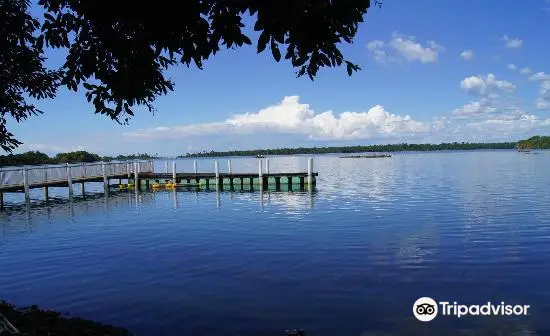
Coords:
105,178
152,166
195,166
70,180
260,173
310,172
166,166
174,171
128,170
217,171
267,166
26,184
229,166
136,175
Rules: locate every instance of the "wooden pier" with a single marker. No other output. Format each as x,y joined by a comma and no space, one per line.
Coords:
140,175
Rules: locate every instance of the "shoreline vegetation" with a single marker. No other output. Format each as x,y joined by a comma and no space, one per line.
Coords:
35,321
37,158
404,147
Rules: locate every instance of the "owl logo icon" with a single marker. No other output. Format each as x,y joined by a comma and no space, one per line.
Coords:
425,309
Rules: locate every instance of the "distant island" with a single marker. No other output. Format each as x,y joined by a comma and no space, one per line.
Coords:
535,142
358,149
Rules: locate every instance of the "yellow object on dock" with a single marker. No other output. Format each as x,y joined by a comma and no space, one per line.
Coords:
122,186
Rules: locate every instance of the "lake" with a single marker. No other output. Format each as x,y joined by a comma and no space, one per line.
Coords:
349,259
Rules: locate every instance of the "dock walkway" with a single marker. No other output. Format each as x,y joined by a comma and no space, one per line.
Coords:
141,174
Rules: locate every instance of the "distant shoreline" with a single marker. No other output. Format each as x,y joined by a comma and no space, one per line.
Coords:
356,149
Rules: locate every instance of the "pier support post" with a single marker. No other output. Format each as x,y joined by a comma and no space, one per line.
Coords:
166,166
105,178
302,182
278,183
242,183
229,166
289,182
136,175
174,171
26,184
195,166
260,175
260,172
310,172
1,200
129,171
70,180
267,166
152,166
83,190
46,194
217,171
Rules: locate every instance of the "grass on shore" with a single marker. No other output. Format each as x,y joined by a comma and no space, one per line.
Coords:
32,321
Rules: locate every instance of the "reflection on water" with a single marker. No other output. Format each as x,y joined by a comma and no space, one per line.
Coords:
349,258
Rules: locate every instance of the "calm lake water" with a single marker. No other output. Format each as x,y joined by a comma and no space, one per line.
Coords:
349,259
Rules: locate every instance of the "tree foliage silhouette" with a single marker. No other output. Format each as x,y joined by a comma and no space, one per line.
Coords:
118,50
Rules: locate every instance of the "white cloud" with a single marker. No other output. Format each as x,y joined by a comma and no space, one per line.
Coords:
404,48
515,124
512,67
291,119
291,116
540,76
544,90
484,85
467,54
512,42
525,71
377,49
542,104
475,108
543,101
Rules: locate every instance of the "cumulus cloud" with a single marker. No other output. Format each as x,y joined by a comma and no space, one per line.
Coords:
542,104
543,101
476,121
525,71
512,67
484,85
467,54
475,108
291,116
404,48
540,76
512,42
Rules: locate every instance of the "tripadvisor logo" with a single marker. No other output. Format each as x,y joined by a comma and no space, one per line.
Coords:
426,309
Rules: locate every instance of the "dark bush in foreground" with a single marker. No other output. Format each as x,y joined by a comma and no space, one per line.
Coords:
32,321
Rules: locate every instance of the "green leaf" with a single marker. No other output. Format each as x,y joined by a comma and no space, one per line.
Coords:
262,41
275,51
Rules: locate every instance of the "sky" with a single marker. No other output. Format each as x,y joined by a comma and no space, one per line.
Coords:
432,71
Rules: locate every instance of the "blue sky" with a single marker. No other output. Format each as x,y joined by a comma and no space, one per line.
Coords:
432,71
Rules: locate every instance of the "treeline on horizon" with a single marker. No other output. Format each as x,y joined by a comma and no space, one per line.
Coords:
37,158
403,147
535,142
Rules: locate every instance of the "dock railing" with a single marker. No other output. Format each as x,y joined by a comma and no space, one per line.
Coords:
44,174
